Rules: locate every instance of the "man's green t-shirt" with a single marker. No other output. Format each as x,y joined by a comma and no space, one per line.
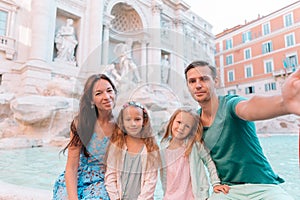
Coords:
235,148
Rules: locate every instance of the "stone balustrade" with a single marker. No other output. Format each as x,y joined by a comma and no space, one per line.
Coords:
8,46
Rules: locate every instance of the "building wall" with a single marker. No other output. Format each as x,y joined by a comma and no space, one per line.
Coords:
28,50
279,52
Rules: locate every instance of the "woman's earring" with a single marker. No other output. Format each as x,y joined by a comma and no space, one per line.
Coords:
92,106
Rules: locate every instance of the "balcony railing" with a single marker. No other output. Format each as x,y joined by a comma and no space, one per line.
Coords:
8,46
285,71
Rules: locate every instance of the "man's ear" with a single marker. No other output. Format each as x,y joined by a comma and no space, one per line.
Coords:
217,81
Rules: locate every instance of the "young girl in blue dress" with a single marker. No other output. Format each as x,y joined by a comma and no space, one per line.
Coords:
91,129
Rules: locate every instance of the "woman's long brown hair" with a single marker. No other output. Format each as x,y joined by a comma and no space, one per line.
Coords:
83,124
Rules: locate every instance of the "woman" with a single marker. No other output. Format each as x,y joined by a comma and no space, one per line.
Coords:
90,132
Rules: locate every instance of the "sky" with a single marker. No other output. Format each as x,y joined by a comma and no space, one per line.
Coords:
223,14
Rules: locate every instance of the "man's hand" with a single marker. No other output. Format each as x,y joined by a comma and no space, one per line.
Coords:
291,93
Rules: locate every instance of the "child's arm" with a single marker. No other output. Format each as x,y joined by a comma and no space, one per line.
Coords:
149,182
147,191
214,178
209,163
111,175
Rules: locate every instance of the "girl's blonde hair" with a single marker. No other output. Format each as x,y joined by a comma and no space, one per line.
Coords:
146,135
195,134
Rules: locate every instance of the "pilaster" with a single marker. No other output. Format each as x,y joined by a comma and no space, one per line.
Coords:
154,72
105,40
36,72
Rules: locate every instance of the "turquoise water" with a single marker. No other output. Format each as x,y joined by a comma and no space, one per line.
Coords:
31,167
39,167
283,154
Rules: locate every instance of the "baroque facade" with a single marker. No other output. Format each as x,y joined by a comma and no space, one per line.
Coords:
151,30
49,47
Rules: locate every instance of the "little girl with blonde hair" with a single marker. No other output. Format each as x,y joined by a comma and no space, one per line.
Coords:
184,155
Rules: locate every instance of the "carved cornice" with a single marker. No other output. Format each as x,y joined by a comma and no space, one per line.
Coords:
177,5
78,5
107,20
179,22
11,4
156,8
140,36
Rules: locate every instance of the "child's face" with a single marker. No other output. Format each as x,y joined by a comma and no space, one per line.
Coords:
133,120
182,125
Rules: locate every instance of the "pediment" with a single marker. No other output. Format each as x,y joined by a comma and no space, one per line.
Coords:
10,3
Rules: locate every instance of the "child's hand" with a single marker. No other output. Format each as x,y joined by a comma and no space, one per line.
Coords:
221,188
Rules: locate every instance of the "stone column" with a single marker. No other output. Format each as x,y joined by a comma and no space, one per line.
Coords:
92,50
154,72
105,44
95,30
36,72
144,65
105,39
177,79
42,29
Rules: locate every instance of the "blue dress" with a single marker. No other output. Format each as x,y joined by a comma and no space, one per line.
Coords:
91,172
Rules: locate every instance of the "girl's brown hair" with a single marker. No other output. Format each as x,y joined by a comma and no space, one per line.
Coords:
146,135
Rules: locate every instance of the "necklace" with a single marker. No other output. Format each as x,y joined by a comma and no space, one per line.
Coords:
104,129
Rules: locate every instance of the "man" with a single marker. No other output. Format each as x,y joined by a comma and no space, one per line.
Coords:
230,134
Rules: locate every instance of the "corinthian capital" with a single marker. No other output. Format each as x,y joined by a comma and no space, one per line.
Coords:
156,7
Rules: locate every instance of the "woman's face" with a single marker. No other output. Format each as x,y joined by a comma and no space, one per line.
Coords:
103,95
133,120
182,125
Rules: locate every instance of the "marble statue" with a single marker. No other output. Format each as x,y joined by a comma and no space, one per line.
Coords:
66,42
125,70
165,69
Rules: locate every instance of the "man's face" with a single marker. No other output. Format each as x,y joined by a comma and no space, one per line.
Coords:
201,83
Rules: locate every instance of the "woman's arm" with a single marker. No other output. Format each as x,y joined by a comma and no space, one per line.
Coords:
72,169
111,176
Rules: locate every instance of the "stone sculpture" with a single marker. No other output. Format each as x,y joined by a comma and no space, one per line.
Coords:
66,42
